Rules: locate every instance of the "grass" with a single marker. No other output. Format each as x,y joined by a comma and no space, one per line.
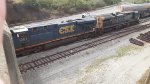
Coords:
95,65
45,9
122,51
84,80
18,1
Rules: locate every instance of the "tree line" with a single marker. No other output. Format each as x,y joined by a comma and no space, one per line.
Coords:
69,6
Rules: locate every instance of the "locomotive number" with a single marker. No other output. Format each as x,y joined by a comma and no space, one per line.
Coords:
66,29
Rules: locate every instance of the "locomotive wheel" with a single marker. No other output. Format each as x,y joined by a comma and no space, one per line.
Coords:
99,32
127,24
37,49
92,35
123,26
84,36
79,37
25,53
117,27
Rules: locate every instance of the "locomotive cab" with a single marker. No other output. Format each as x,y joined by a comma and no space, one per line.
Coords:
22,33
20,36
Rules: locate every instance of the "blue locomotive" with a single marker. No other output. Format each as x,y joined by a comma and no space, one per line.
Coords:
38,36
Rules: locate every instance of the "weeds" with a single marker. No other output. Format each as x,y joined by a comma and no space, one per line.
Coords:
122,51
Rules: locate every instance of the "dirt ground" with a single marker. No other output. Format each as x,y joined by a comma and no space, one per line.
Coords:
125,66
145,78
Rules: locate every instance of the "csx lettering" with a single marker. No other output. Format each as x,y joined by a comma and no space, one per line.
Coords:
66,29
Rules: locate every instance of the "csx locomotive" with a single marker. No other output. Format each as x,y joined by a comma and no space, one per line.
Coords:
38,36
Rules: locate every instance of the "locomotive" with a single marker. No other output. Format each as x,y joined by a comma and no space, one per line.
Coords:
34,37
143,9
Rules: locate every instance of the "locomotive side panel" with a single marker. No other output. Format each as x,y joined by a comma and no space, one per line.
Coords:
42,34
86,25
72,32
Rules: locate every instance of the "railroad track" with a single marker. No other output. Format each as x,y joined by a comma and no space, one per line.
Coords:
43,61
145,20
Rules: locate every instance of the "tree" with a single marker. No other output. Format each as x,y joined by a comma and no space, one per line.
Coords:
110,2
33,3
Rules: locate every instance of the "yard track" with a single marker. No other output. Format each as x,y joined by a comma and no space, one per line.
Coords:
43,61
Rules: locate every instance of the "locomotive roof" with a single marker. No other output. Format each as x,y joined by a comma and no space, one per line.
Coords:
107,16
38,24
128,11
18,29
113,15
25,27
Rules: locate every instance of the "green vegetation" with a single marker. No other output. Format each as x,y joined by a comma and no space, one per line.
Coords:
20,11
96,64
68,6
110,2
64,6
122,51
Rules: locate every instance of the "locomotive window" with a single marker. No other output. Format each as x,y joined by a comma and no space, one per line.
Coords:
45,27
89,26
35,29
107,22
86,27
22,36
113,20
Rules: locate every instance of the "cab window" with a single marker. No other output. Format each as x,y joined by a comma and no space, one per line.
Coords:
45,27
35,29
22,36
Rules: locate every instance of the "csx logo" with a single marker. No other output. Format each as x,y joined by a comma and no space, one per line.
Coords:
66,29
